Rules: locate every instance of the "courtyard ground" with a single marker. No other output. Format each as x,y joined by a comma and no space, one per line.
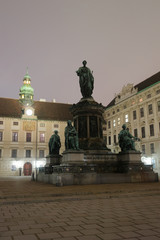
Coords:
32,210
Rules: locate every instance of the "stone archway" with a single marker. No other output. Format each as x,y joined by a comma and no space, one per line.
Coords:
27,169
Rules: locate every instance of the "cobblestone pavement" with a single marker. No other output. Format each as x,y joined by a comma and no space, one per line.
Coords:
34,211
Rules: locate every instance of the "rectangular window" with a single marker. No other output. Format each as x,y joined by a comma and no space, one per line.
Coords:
1,136
41,153
115,139
109,140
109,124
14,153
143,149
134,115
151,130
42,124
149,96
14,136
119,121
1,122
143,132
0,153
42,137
56,126
28,153
15,123
158,91
135,132
114,123
152,148
28,137
150,110
158,106
141,112
126,118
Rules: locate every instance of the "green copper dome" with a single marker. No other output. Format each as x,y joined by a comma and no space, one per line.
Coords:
26,91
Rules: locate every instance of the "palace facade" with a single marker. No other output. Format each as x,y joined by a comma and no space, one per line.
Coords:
25,129
139,108
27,125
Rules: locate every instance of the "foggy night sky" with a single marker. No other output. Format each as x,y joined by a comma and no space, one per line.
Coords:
120,39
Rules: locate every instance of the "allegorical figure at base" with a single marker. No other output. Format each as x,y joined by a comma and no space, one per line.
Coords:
54,144
126,140
71,137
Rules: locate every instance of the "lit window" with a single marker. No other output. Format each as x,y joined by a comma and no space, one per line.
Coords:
42,137
140,100
126,118
28,137
133,102
22,95
114,123
14,136
119,121
14,153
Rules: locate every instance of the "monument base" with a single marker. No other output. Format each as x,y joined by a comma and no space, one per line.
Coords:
98,167
65,179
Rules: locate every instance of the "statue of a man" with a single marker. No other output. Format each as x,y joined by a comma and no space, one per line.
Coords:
86,80
71,137
54,144
126,140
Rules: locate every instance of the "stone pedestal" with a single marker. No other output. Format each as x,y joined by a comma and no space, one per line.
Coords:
52,160
88,120
130,161
72,157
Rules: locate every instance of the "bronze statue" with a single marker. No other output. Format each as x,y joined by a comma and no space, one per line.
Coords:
86,80
71,137
126,140
54,144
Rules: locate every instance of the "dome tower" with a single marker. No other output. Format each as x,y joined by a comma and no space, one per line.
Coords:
26,92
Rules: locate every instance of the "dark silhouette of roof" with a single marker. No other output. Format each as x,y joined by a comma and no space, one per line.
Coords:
43,110
142,85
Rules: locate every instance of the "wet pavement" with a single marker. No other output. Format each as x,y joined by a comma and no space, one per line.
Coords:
33,210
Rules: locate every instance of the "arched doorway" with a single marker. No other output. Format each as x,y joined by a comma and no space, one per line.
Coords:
27,169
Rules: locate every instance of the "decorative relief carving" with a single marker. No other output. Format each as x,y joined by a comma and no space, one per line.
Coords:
29,126
127,91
